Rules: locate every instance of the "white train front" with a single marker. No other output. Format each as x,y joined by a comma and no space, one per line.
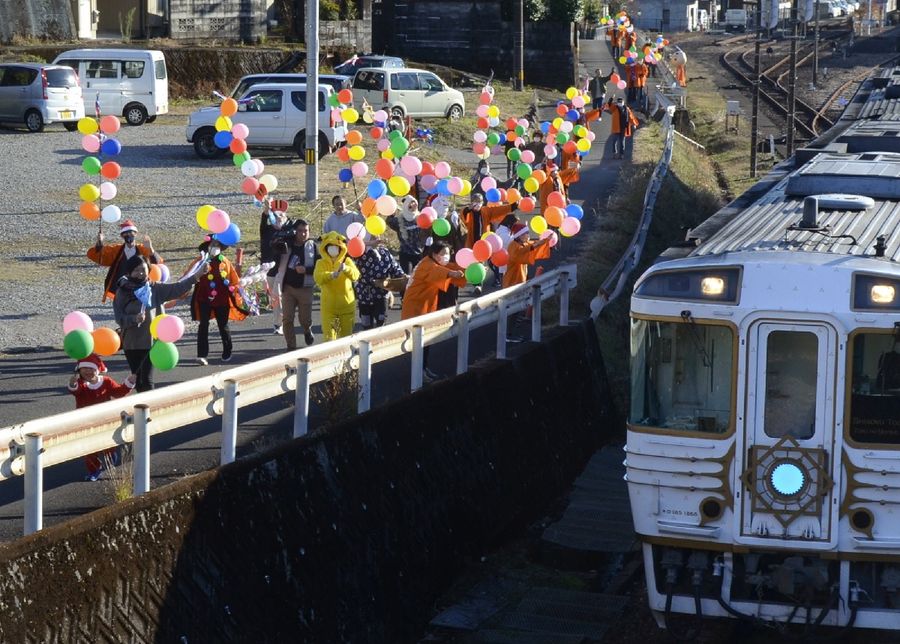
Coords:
763,452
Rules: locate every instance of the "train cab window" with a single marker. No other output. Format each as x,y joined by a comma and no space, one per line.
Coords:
791,376
681,376
875,388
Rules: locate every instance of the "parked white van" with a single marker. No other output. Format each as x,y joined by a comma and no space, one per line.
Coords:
406,92
37,94
130,82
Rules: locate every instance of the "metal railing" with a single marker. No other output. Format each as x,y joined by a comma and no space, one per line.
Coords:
26,449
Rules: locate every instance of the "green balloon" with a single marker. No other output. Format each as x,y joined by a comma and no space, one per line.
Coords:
240,158
399,147
493,139
441,227
514,154
91,166
475,273
562,137
164,355
78,344
393,135
333,100
523,170
520,130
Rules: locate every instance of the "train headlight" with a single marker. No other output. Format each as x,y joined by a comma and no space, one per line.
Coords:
787,479
712,286
882,293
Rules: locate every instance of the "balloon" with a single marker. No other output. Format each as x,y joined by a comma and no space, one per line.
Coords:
550,151
454,185
356,246
443,187
111,213
223,124
368,207
354,137
527,156
223,140
154,274
475,273
583,145
492,195
237,146
89,192
557,199
526,204
380,116
531,185
540,176
482,250
441,227
466,188
89,210
513,195
570,226
350,115
111,147
345,175
229,107
561,138
90,143
356,152
355,229
523,170
78,344
488,183
578,102
384,169
621,84
376,133
359,169
76,320
428,182
248,168
218,221
399,186
231,236
269,181
202,214
464,257
376,188
375,225
345,96
424,221
442,170
249,186
108,191
411,165
109,124
553,215
240,131
170,329
164,273
538,224
614,78
386,206
87,125
574,210
91,166
552,236
500,258
485,98
164,355
106,341
111,170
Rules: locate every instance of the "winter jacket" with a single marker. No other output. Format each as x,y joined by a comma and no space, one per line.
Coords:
375,265
623,119
113,255
427,280
338,296
127,306
221,278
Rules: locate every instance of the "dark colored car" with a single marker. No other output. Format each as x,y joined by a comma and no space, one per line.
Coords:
369,60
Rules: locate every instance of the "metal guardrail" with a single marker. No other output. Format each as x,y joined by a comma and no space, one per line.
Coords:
26,449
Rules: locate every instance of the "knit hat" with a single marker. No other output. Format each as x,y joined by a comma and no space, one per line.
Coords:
127,225
93,361
518,229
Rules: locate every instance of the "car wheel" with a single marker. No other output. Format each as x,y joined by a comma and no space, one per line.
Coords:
135,115
205,144
150,119
300,145
71,127
455,112
397,112
34,121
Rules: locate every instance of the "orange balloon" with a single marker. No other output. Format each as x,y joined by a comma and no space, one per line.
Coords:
356,247
155,273
106,341
511,136
554,216
368,207
111,170
229,107
513,195
384,169
562,109
343,154
345,96
556,198
89,210
354,137
500,258
238,146
482,250
526,204
539,175
570,147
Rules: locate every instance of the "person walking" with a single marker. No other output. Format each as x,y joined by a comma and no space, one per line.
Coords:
557,181
376,268
410,235
335,274
622,127
338,221
597,88
115,255
299,260
272,220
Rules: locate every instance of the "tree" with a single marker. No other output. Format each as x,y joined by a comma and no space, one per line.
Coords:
592,12
329,10
563,10
534,10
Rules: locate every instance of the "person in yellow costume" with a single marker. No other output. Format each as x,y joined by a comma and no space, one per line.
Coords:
335,274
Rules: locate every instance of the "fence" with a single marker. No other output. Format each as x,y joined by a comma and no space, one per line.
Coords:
26,449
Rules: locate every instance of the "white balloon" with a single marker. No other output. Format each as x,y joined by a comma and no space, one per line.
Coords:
248,168
269,181
111,214
260,166
108,191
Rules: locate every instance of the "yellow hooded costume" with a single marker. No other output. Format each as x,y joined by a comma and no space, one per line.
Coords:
335,275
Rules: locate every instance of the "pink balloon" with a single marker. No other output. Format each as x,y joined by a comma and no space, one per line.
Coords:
170,328
495,241
455,185
488,183
464,257
356,229
442,170
90,143
109,124
380,115
479,148
527,156
386,205
429,212
428,181
240,131
383,144
523,123
591,136
359,169
249,186
218,221
336,115
260,167
550,151
76,320
621,84
482,111
570,226
411,165
108,191
577,102
554,238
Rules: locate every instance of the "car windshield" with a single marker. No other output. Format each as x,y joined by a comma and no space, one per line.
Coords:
61,78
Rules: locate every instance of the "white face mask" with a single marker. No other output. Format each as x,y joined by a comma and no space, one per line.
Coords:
214,251
334,251
484,171
443,259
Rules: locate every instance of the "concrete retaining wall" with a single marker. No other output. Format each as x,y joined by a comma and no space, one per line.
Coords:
51,19
346,536
355,34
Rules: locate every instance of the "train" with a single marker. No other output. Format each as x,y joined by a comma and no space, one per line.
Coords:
763,435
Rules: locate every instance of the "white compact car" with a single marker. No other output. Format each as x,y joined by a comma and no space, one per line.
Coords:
37,95
406,92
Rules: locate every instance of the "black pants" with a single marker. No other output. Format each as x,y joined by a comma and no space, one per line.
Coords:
408,261
447,299
140,365
203,330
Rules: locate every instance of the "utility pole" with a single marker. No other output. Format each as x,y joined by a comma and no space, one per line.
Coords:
312,100
816,50
519,46
792,82
754,117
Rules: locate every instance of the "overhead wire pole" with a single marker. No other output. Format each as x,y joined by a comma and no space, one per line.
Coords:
792,81
312,100
754,117
519,46
816,49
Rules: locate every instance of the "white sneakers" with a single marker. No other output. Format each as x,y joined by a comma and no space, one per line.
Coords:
203,361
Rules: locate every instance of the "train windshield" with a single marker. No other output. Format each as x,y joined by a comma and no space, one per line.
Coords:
681,376
875,389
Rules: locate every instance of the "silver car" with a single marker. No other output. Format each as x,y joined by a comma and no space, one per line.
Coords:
36,95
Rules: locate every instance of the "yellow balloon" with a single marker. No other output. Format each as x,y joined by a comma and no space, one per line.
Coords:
87,126
350,115
202,214
466,189
557,122
538,224
494,111
531,184
155,323
375,225
387,154
583,145
356,152
223,124
89,192
399,186
571,93
580,131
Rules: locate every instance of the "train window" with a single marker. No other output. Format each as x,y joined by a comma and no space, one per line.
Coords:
791,375
875,388
876,292
681,376
715,285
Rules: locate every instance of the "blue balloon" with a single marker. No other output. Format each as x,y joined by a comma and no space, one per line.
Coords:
545,127
574,210
492,195
223,139
377,188
345,175
443,187
111,147
502,140
572,115
231,236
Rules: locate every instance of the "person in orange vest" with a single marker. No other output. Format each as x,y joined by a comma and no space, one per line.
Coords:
641,72
558,181
630,38
523,252
480,219
631,81
115,255
623,123
615,41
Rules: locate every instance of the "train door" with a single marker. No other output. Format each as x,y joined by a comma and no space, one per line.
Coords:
789,435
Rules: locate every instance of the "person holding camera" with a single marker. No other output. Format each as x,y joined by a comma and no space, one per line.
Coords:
271,221
297,258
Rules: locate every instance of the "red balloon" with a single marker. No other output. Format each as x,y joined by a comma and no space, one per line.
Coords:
570,147
482,250
427,168
503,197
249,186
345,96
511,123
343,154
356,247
614,78
423,222
500,258
562,109
482,123
376,132
384,168
238,146
556,198
526,204
111,170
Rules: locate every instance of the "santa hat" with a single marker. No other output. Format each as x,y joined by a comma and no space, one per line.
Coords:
93,361
127,225
551,166
518,229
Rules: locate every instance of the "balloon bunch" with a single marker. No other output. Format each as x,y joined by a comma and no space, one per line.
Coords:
492,247
566,217
82,339
218,224
426,135
253,275
98,140
166,329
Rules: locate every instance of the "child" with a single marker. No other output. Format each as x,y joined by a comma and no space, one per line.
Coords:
335,273
90,387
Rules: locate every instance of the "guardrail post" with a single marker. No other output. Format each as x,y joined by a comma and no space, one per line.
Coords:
229,422
535,313
418,358
34,483
564,299
501,329
462,343
365,377
301,399
141,450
